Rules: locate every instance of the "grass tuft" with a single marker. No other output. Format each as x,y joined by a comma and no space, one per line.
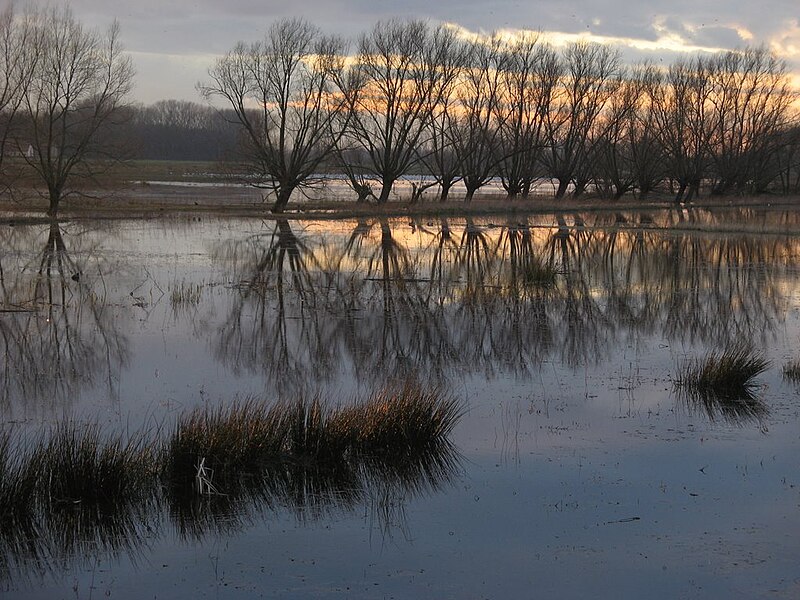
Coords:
723,383
791,371
185,295
76,484
78,463
728,374
538,274
18,483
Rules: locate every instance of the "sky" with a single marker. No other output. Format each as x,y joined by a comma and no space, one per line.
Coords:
173,44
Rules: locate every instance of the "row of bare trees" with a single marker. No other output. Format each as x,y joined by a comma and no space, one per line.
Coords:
62,88
412,100
420,100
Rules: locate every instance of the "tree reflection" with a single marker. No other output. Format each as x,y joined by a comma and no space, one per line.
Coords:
453,297
57,334
277,325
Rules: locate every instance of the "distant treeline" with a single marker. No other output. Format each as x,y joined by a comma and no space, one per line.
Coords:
181,130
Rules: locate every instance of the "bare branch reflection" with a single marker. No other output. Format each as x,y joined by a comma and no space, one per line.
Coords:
445,297
57,333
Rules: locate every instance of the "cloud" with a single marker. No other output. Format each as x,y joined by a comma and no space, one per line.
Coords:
786,42
187,32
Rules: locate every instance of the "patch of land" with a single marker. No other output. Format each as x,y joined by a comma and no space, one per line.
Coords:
146,189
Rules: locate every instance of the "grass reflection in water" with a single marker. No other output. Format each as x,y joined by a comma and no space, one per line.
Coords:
75,491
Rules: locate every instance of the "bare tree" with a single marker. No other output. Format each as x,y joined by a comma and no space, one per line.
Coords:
477,133
399,65
440,155
284,96
17,63
531,73
750,100
590,80
627,156
682,121
612,159
79,86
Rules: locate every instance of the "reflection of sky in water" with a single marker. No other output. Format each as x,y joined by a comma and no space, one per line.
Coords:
583,473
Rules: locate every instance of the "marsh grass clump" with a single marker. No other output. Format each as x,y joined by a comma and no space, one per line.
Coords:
722,384
185,295
399,438
230,440
728,374
791,371
73,487
78,463
537,274
402,422
18,483
76,486
250,437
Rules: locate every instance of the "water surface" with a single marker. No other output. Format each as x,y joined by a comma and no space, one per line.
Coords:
581,471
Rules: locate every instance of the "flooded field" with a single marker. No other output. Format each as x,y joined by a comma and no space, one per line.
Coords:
578,467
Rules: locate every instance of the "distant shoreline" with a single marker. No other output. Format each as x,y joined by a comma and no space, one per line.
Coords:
165,199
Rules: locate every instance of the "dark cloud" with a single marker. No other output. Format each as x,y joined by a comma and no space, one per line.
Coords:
201,28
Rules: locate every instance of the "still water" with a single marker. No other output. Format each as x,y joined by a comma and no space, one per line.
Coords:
581,472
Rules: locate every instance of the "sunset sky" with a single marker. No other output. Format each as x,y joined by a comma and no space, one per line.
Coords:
173,44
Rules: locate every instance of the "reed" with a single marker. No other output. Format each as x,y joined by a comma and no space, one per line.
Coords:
185,295
250,437
791,371
729,374
75,483
18,483
228,440
537,274
78,463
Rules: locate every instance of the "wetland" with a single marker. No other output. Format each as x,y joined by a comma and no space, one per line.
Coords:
570,460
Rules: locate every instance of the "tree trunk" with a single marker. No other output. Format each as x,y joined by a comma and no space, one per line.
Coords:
470,193
55,198
563,184
445,191
282,200
416,192
681,190
694,191
386,189
363,192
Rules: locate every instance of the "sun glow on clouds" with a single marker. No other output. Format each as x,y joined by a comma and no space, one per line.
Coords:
667,39
787,42
667,42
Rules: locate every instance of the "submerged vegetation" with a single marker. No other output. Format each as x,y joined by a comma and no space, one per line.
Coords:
185,295
791,371
217,466
723,383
